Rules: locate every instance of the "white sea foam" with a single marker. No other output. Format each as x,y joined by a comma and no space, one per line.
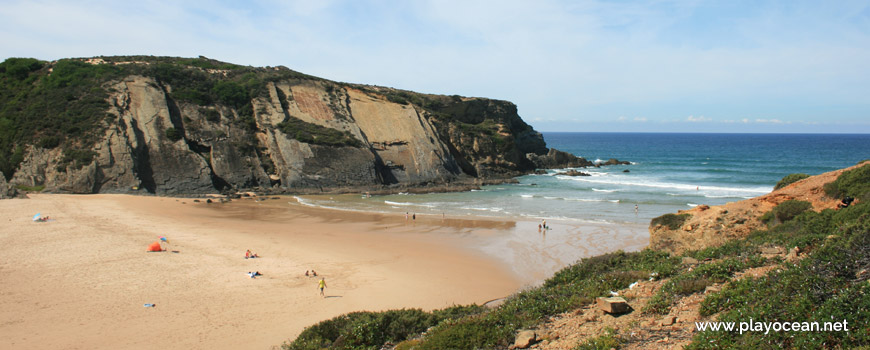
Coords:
398,203
658,184
692,204
494,209
526,195
404,204
600,190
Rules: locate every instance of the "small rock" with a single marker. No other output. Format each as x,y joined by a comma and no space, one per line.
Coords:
573,172
793,254
668,320
703,207
862,274
196,200
208,200
614,305
687,228
524,339
832,237
626,171
687,260
712,289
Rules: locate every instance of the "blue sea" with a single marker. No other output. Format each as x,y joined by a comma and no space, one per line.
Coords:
669,172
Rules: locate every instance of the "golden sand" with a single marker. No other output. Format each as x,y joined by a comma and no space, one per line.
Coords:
80,280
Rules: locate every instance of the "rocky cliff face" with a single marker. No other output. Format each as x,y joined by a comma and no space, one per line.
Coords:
6,191
155,139
708,226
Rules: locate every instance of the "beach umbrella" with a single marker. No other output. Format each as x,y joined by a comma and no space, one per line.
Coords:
36,217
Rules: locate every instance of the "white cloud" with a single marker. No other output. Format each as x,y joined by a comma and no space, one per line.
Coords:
640,119
698,119
771,121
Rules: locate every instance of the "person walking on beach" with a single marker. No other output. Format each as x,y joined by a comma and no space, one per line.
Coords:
635,209
322,284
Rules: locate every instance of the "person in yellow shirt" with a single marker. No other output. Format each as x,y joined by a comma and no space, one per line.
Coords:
322,284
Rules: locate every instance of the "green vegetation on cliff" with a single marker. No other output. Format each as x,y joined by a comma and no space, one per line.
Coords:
854,183
316,134
41,104
790,179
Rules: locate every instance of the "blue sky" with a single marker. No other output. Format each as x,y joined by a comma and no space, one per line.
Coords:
681,66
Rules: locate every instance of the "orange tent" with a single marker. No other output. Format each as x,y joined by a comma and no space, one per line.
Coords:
155,247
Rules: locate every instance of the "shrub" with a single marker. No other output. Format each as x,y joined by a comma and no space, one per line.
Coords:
210,114
37,188
789,179
173,134
786,211
370,330
77,157
697,280
671,221
315,134
604,342
853,183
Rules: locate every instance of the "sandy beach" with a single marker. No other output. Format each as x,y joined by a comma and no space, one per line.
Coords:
80,280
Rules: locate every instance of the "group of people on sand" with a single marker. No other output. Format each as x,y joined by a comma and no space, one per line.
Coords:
308,273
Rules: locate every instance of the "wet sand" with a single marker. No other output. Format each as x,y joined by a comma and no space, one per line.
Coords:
80,280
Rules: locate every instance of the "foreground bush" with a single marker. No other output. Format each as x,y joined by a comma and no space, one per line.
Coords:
790,179
785,211
854,183
370,330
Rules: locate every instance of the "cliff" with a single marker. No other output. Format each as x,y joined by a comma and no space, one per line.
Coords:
174,125
708,226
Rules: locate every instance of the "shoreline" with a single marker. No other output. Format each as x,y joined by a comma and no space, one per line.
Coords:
80,280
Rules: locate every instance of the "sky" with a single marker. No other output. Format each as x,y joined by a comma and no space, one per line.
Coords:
599,66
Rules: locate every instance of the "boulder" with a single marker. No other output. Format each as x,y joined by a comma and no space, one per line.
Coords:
524,339
613,305
555,159
6,190
573,172
668,320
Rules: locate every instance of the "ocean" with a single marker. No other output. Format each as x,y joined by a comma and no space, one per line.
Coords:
669,172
